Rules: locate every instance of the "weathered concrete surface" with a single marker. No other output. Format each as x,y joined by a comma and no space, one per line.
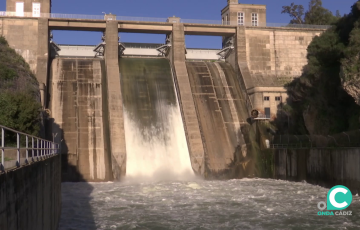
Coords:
30,197
186,101
76,107
22,35
323,167
276,53
114,99
42,51
222,115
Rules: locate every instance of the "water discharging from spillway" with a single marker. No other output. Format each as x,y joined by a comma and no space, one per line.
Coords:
155,139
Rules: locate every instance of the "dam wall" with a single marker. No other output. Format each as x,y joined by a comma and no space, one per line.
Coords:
324,167
222,115
30,38
30,196
78,118
186,101
274,57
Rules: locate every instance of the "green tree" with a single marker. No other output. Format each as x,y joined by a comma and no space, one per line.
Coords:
315,15
318,15
20,111
330,83
296,12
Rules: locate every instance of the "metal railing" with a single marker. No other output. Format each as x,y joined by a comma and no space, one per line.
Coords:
18,148
150,19
350,139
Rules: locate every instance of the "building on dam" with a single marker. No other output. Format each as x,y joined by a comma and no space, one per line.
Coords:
212,92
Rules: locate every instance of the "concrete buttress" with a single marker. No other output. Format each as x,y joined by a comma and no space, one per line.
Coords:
115,106
186,101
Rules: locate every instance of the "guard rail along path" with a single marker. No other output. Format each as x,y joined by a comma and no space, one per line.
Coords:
349,139
149,19
19,148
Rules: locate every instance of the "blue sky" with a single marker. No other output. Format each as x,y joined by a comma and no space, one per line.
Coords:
186,9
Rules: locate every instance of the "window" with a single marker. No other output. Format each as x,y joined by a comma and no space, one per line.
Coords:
241,18
277,98
266,98
36,9
254,19
19,9
222,20
226,19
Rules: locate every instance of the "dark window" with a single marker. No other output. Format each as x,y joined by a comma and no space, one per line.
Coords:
277,98
266,98
267,112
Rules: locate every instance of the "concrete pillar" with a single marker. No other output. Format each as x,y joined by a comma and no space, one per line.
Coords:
114,98
43,56
238,60
42,65
240,49
187,106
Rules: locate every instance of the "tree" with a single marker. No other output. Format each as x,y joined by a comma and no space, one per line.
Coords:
326,97
296,12
316,14
19,92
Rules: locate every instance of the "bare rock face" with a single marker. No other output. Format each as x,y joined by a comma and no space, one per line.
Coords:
353,89
309,116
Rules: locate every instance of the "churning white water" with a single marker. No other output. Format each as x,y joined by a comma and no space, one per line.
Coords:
157,152
199,204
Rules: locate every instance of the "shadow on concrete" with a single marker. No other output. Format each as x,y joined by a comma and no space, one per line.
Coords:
75,197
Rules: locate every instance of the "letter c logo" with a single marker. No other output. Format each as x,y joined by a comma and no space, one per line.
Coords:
332,198
343,198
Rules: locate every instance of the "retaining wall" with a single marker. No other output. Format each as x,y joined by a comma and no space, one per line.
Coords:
324,167
30,196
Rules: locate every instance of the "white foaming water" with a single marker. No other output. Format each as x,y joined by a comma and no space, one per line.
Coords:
234,204
157,153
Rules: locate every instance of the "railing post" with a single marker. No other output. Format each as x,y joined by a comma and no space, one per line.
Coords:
18,148
27,150
2,150
37,149
32,150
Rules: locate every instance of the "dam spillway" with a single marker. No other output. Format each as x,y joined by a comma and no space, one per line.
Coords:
76,107
154,132
222,115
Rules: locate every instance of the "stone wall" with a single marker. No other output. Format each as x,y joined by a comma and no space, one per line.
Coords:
276,53
275,56
325,167
30,197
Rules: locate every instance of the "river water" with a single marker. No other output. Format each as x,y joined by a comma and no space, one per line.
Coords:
199,204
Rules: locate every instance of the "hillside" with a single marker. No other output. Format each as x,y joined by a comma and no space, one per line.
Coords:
19,92
325,99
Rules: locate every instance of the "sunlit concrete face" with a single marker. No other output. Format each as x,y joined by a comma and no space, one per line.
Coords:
45,5
244,14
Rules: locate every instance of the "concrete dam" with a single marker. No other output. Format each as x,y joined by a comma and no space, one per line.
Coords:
155,137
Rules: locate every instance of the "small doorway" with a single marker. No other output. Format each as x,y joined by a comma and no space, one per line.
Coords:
267,112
